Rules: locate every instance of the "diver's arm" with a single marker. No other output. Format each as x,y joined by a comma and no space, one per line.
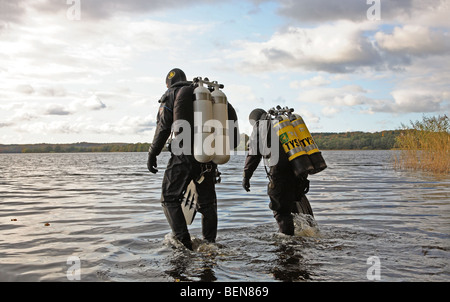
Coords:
164,121
252,160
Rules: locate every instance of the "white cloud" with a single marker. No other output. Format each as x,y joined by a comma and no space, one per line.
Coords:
50,48
353,10
348,95
336,100
416,100
39,109
16,11
244,99
52,91
425,12
342,40
50,127
308,116
415,40
91,103
127,125
56,109
104,74
330,111
340,47
25,89
55,71
312,82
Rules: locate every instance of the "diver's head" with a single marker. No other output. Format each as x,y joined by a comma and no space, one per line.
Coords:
256,115
174,76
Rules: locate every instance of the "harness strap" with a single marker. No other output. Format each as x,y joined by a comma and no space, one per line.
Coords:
205,168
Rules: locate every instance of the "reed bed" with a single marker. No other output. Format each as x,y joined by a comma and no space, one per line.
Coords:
425,145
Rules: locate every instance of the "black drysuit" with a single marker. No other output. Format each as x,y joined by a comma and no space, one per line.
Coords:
181,169
284,188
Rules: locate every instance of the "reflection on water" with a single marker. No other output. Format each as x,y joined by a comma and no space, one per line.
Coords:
104,208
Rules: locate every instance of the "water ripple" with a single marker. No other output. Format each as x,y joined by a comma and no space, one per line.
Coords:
104,208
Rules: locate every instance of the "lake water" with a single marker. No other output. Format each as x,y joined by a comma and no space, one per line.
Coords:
100,212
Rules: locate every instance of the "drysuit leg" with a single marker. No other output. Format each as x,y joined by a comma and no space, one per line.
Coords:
285,223
175,181
282,201
207,205
175,217
209,222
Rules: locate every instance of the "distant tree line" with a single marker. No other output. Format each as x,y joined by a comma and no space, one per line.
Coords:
74,148
384,140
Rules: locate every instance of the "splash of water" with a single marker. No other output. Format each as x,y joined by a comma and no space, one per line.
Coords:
306,226
198,245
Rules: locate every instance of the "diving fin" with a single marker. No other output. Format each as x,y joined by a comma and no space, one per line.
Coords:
189,203
303,206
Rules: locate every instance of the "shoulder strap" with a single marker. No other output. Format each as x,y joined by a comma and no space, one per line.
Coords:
267,118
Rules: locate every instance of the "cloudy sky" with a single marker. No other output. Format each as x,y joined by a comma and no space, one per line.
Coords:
93,70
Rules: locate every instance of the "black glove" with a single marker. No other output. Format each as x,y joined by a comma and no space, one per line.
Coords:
246,184
152,164
304,184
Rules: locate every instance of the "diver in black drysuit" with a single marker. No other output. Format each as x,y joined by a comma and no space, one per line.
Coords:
284,188
181,169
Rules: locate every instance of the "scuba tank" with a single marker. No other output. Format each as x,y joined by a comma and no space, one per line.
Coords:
291,144
308,143
203,133
220,116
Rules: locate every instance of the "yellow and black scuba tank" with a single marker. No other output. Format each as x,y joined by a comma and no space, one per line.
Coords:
297,142
307,142
297,156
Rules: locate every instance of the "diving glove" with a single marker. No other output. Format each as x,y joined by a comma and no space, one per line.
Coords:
246,184
152,164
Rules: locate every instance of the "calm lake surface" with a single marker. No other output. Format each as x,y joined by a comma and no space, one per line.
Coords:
104,209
